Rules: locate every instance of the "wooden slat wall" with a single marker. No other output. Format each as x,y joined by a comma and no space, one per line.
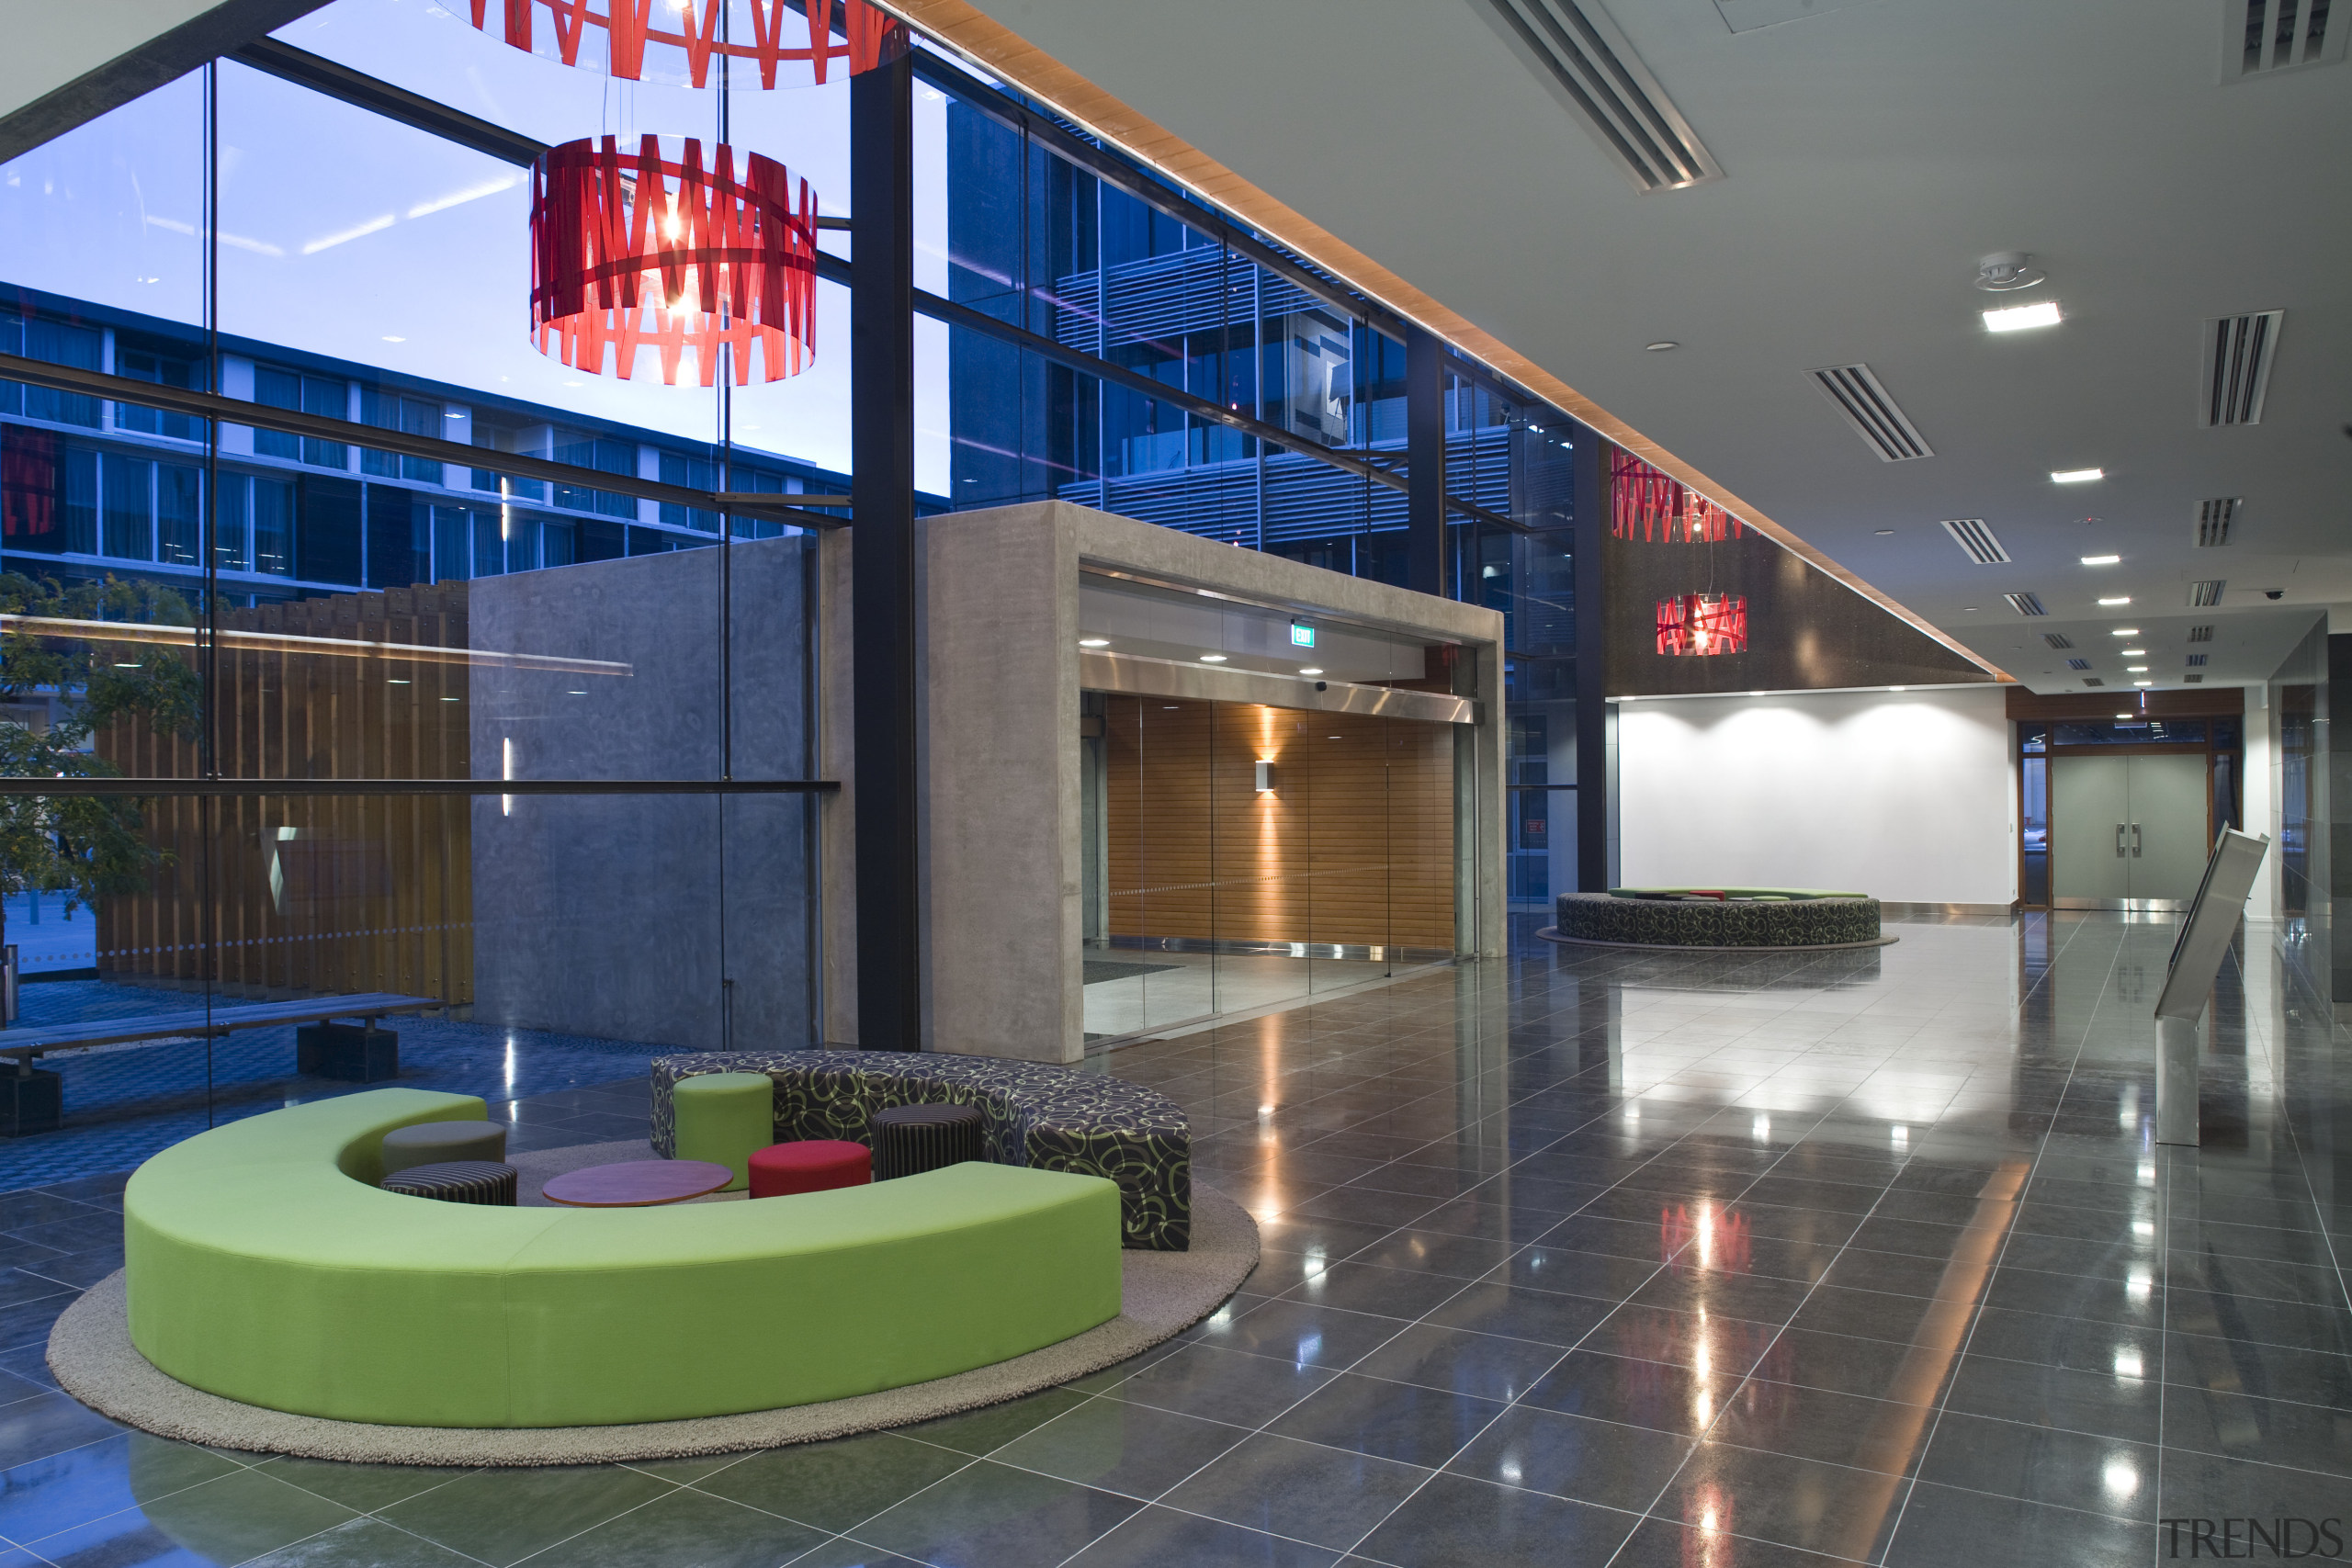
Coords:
315,895
1355,844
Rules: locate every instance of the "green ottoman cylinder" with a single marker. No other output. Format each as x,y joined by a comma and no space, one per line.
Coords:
438,1142
724,1118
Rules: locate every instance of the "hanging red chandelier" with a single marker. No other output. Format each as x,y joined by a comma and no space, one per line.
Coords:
651,251
1697,624
1663,509
675,41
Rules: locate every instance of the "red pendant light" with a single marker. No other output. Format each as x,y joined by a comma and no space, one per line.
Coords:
1641,497
653,252
1698,624
677,41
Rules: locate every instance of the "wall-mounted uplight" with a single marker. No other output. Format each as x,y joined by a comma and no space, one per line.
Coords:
1094,642
2076,476
1264,783
1212,658
2018,318
2102,561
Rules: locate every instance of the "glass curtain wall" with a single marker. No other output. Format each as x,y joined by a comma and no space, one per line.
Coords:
528,750
1251,855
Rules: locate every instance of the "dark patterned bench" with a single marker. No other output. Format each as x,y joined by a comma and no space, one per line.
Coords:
1044,1117
1766,918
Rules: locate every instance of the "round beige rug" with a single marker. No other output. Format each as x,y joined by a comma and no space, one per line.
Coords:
1163,1294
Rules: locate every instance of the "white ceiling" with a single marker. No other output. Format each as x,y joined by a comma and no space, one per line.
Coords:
1872,150
50,44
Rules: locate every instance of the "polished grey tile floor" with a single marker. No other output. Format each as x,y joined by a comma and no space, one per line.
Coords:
1578,1258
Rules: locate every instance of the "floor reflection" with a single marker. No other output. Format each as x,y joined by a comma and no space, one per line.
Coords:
1582,1258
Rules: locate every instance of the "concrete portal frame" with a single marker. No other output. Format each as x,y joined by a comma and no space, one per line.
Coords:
999,954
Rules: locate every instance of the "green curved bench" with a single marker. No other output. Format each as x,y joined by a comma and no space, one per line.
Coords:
264,1266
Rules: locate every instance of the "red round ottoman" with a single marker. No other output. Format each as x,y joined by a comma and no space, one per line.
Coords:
810,1165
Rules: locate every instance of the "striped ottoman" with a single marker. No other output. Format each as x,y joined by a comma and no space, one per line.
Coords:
910,1139
456,1181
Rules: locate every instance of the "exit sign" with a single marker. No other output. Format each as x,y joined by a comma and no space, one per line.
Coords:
1301,636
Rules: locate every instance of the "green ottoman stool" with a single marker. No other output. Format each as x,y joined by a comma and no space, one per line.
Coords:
439,1143
724,1118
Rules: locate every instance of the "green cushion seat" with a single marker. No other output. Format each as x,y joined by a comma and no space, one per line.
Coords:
725,1118
266,1265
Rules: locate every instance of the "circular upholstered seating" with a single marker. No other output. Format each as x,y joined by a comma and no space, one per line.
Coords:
265,1263
458,1181
811,1165
442,1143
1032,1113
911,1139
1723,917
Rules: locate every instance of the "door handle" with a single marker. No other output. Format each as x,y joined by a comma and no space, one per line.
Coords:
2118,841
2136,841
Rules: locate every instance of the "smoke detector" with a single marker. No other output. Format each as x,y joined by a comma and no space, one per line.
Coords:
2006,270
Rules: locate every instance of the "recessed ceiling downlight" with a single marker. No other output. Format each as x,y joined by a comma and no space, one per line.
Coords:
2023,318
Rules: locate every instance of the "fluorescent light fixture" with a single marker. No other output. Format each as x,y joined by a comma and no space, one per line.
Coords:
2017,317
2123,631
2076,476
2143,683
1310,670
1094,642
2102,561
2135,670
1894,688
1212,658
2125,600
2135,653
2123,716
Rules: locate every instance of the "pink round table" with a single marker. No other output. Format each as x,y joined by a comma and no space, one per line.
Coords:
637,1183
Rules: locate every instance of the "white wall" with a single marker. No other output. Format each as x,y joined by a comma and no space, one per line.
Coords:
1908,796
2259,809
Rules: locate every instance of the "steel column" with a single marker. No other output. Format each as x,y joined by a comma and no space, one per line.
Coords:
1425,457
1591,601
882,557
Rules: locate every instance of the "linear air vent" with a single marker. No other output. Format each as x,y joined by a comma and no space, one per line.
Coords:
2262,38
2193,680
2025,603
2058,640
2200,634
1871,413
2214,518
2205,595
1621,103
2238,352
1970,535
2078,664
2093,680
2196,660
